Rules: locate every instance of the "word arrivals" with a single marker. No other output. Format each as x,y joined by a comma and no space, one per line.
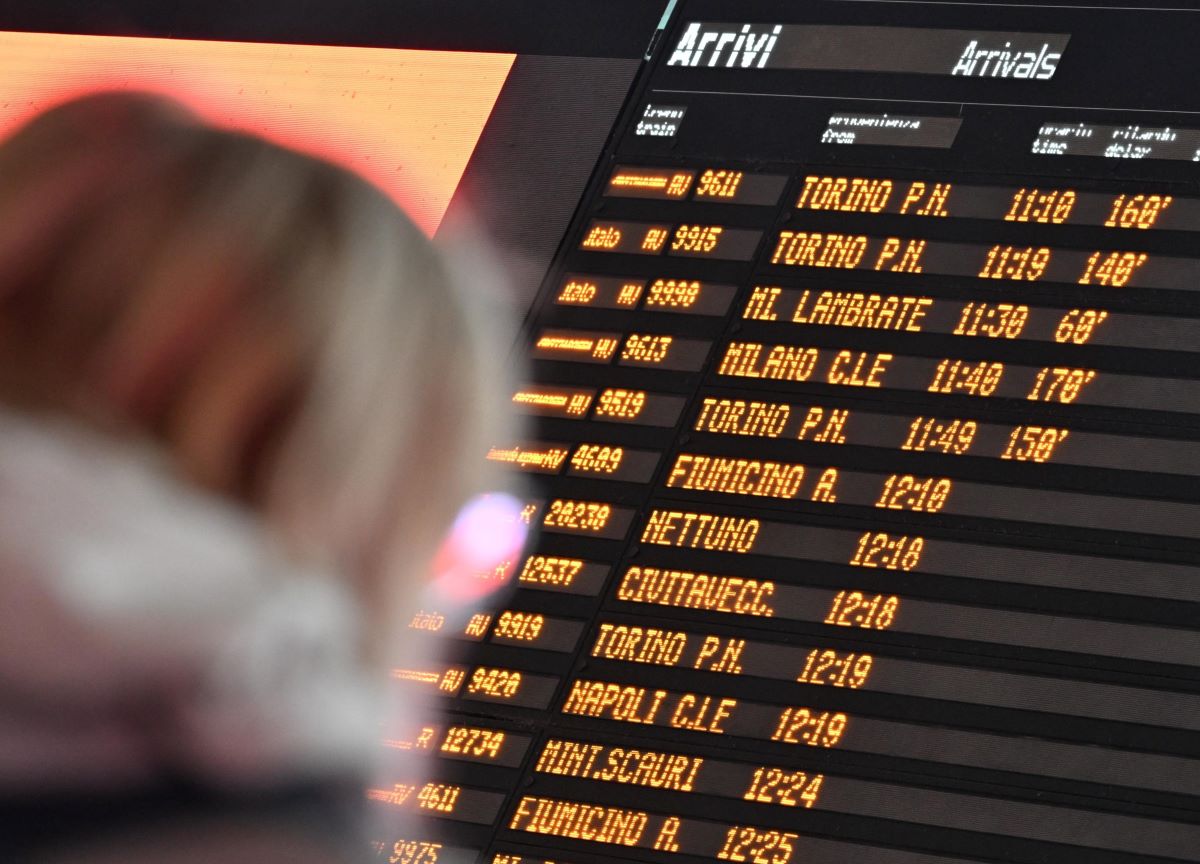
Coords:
977,62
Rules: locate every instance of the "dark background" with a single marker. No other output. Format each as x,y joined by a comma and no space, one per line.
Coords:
576,63
611,28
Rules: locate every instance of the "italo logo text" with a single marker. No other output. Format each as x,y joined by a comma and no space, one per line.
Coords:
744,48
977,62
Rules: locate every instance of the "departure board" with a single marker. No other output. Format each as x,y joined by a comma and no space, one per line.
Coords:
863,454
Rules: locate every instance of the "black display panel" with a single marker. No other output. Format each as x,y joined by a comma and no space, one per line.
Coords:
865,407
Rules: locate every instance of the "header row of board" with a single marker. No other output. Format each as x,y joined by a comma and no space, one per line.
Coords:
1031,54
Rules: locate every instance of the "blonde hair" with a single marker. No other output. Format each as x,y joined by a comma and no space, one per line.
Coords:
136,239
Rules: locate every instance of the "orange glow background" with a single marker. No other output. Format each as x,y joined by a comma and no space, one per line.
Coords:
406,120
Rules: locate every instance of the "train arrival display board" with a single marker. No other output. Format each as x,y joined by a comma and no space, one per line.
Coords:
865,440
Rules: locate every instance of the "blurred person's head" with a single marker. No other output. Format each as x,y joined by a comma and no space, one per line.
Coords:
273,322
242,398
